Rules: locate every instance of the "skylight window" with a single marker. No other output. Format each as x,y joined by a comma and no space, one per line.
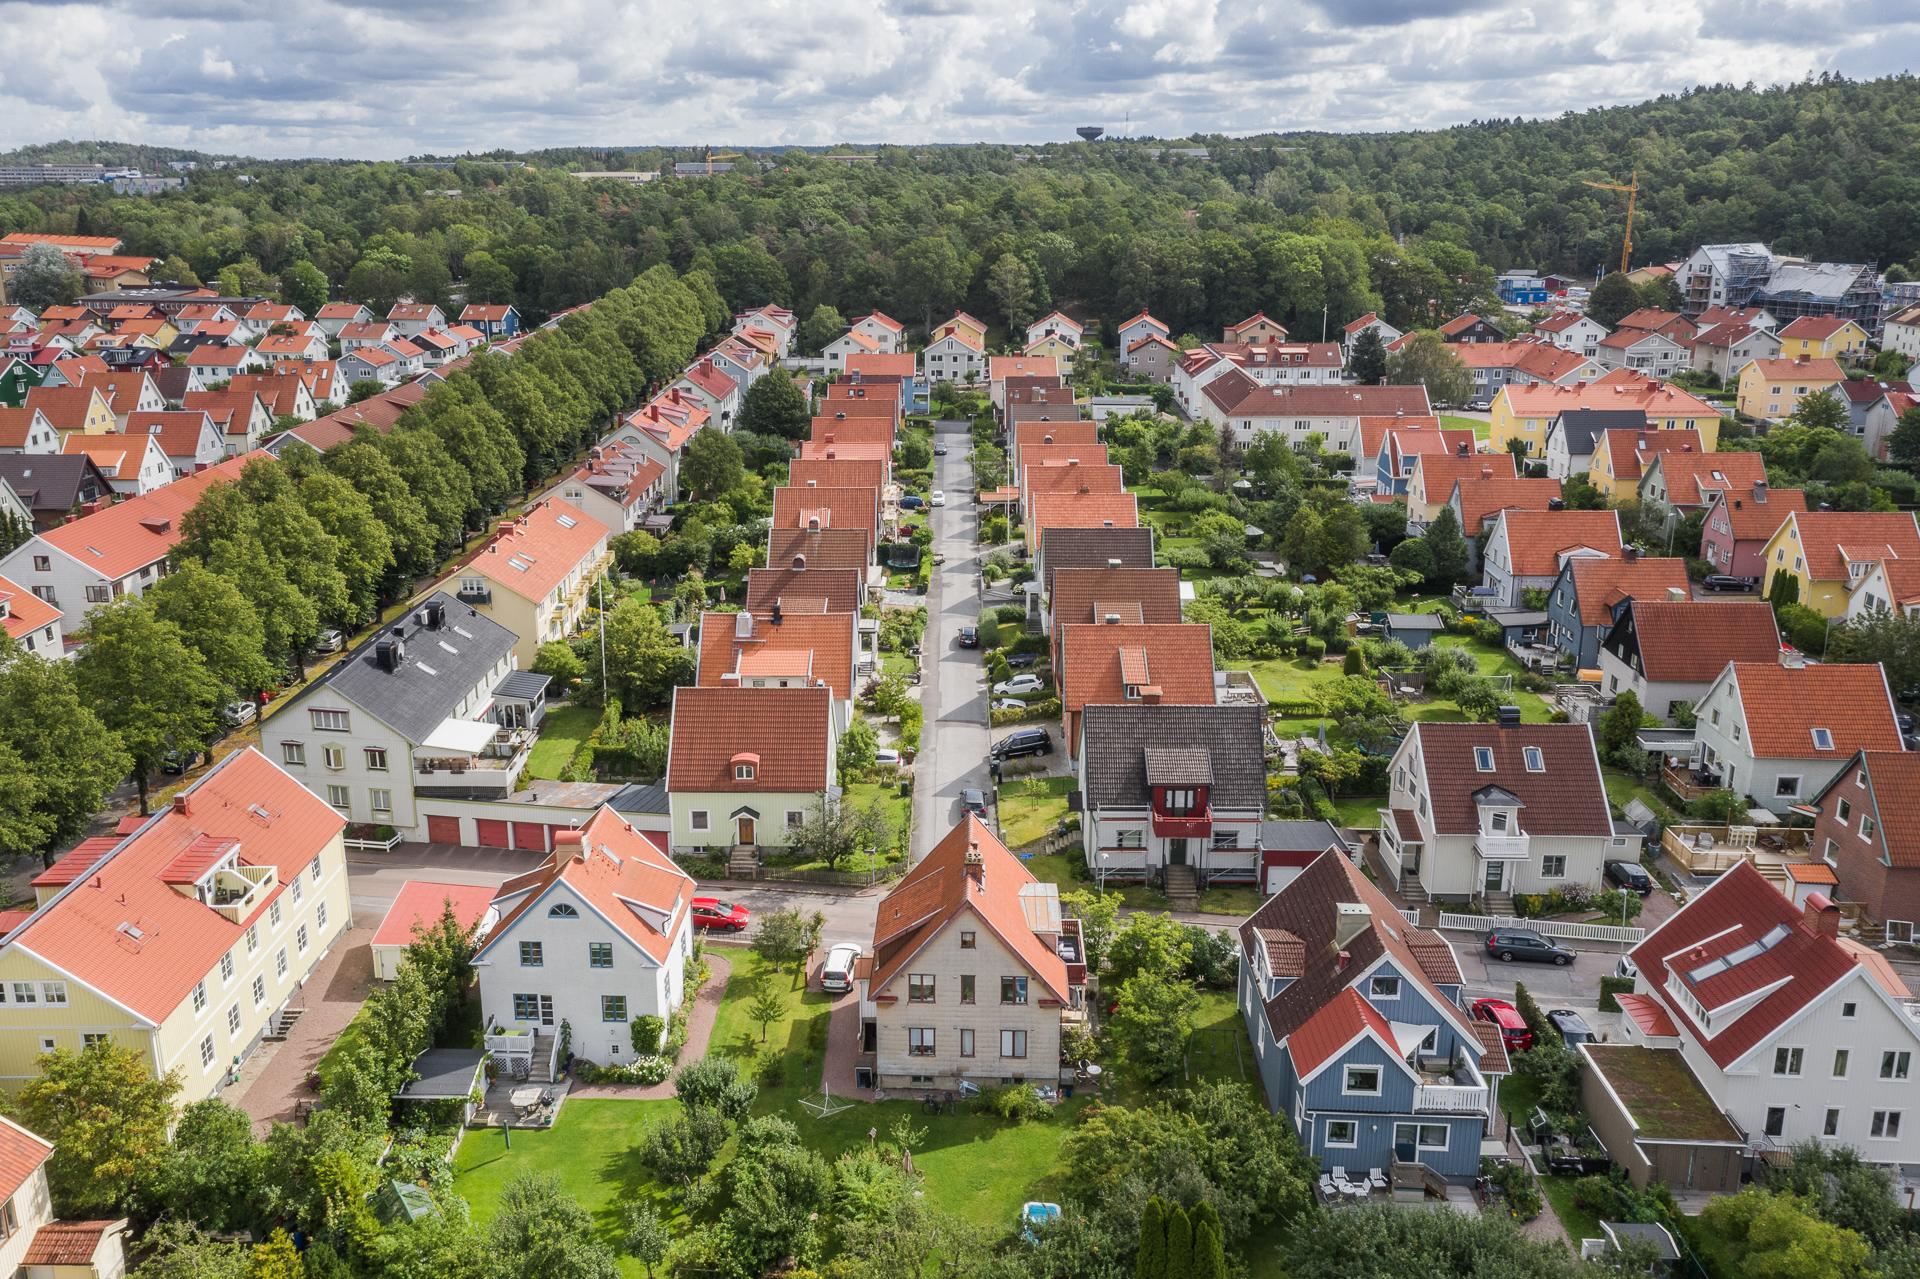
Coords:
1536,762
567,521
450,648
1483,758
1823,739
425,669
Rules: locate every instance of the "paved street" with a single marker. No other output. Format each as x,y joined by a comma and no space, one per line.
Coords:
953,738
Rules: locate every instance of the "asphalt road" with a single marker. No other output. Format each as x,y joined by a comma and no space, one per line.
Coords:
953,735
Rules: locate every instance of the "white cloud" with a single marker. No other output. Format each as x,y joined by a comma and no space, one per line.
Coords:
358,78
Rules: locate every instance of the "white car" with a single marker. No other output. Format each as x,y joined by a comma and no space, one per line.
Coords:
239,713
1008,704
1028,683
887,755
939,498
836,975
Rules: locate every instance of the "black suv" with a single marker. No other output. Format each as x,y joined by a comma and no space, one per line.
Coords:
1727,582
1523,944
969,637
1025,741
1630,876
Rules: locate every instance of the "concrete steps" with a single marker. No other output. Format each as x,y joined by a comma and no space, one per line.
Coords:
743,861
1182,889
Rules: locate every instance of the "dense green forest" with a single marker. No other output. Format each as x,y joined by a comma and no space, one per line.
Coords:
1411,224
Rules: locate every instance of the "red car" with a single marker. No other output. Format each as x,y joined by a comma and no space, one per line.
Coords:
1513,1027
711,912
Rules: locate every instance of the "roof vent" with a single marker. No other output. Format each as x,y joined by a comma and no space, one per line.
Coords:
799,563
1350,919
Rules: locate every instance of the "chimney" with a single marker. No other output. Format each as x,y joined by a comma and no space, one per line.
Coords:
1350,919
181,805
776,617
1822,917
1676,595
1343,958
1486,472
1630,553
799,563
976,865
575,840
743,625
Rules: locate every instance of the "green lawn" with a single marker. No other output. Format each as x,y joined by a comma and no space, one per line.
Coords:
1623,786
1480,429
562,733
1031,807
1579,1223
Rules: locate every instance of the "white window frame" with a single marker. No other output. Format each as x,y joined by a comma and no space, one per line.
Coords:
1329,1141
1789,1061
1384,986
1347,1074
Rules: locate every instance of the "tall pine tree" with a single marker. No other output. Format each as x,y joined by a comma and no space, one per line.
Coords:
1368,365
1448,548
1209,1243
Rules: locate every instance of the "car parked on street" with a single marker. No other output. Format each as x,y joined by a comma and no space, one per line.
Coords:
1021,661
1006,704
1023,741
939,498
1630,876
973,800
711,913
1028,683
1514,1032
1523,945
329,641
887,757
969,637
939,450
836,975
1727,582
239,714
912,502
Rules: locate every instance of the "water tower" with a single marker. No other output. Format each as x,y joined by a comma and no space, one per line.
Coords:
1090,132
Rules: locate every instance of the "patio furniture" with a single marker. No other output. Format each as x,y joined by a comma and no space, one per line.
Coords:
1377,1178
1351,1189
1328,1190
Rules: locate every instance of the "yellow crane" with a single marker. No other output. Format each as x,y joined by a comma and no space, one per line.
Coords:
723,156
1633,195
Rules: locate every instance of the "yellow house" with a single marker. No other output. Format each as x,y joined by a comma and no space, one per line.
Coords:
1772,389
1621,456
74,409
1525,412
1055,345
1821,337
533,577
1827,552
184,939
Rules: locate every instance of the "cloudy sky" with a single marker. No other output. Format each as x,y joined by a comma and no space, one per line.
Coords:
370,78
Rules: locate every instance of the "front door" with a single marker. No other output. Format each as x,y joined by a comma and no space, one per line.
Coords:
1496,877
1176,852
746,830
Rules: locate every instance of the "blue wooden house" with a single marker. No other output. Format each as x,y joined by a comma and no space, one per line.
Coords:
497,320
1358,1030
1582,599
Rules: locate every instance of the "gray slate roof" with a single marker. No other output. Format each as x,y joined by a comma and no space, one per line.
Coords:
414,699
1118,737
1300,836
1093,548
522,686
1582,427
51,482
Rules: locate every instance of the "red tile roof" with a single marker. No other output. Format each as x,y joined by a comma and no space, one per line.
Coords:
1693,478
1784,704
1599,584
66,407
1335,401
1340,1021
491,311
939,890
1566,798
837,472
786,728
1815,328
1620,389
834,590
830,548
1628,450
1038,477
532,555
1002,367
1691,641
1082,437
1354,326
119,457
21,1154
17,424
26,612
1648,1015
1754,520
1460,324
1893,779
878,366
1831,540
1254,320
820,646
421,902
116,540
1735,939
1537,539
1801,370
1081,508
67,1243
884,320
831,448
804,506
412,311
1099,661
1438,472
123,931
1482,499
622,873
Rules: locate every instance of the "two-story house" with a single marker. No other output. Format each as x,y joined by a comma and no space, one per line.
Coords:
1167,786
1528,549
1823,337
1795,1033
1779,731
1668,652
1620,458
1525,412
409,318
433,707
1738,526
495,320
1772,389
1351,331
973,971
712,390
1725,350
1358,1032
1680,483
1890,586
1645,350
1524,362
956,352
1055,324
1826,553
1258,327
32,1244
1483,811
1433,477
597,936
185,939
1470,328
533,576
747,765
1116,661
30,621
1573,331
27,431
1868,831
1574,434
779,649
1400,451
1582,599
618,485
186,438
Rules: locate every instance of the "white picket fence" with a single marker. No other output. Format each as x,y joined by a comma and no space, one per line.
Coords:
1545,927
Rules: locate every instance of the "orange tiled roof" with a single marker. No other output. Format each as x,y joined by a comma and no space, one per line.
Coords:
1176,659
1693,478
796,506
532,555
621,872
1784,704
116,540
1628,450
1831,540
1079,509
903,365
1482,499
1600,584
1754,520
785,729
824,640
1536,539
21,1154
1691,641
26,612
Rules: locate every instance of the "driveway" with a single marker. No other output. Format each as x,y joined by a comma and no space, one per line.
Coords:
273,1081
375,879
953,736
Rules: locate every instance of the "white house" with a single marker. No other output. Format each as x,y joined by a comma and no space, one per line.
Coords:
32,1244
336,316
1901,332
956,353
25,430
416,317
597,937
747,765
1777,732
852,342
888,332
712,390
1644,351
1482,811
1354,328
1667,652
1055,324
208,366
133,464
1573,331
1527,549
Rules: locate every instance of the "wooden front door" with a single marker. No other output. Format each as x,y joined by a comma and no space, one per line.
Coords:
745,824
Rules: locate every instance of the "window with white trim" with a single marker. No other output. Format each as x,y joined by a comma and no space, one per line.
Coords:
1895,1065
1787,1061
259,991
1553,866
280,963
226,967
698,819
1342,1133
1885,1125
1421,1136
293,753
199,996
233,1020
206,1052
1483,759
1536,761
328,721
1384,986
1361,1080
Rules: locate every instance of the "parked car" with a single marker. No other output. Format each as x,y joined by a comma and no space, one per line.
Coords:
329,641
1007,704
836,975
912,502
1727,582
1510,944
1626,967
1573,1028
1021,661
939,498
711,912
1020,684
969,637
240,713
176,762
939,450
1630,876
1023,741
1479,406
974,801
1514,1032
886,755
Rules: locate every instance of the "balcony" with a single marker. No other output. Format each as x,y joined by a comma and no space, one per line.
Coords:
1503,848
237,892
474,776
480,596
1451,1099
1194,825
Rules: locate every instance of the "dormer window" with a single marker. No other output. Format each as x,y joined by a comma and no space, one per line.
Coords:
743,772
1483,758
1176,801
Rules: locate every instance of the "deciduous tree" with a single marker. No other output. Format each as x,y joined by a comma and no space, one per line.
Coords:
1425,359
145,684
107,1117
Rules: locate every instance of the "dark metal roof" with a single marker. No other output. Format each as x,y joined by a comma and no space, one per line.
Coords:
445,1074
1582,427
1095,548
1299,836
51,482
522,686
1116,764
648,797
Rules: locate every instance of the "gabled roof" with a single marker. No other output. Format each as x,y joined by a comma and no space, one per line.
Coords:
837,472
119,457
1739,940
65,406
1599,584
1258,317
1335,401
1621,389
534,554
1076,590
620,872
1815,328
1083,435
1893,782
785,729
1118,737
116,540
18,425
879,365
1651,319
1693,478
1561,322
1461,323
26,612
1079,509
827,548
1338,1022
884,320
1094,548
1565,798
703,374
1047,476
1628,451
965,336
817,647
1537,539
1481,499
412,311
1831,540
21,1154
799,506
1754,520
1803,370
125,932
1354,326
1691,641
1439,472
1169,663
1784,704
68,1243
940,890
837,589
493,312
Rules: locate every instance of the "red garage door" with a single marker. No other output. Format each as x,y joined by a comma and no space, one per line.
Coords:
493,834
531,836
443,830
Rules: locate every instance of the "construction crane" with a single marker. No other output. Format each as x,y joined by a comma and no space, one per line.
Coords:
1633,195
722,156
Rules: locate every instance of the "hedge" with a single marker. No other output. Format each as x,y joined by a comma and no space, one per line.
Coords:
1046,708
1611,986
1297,707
